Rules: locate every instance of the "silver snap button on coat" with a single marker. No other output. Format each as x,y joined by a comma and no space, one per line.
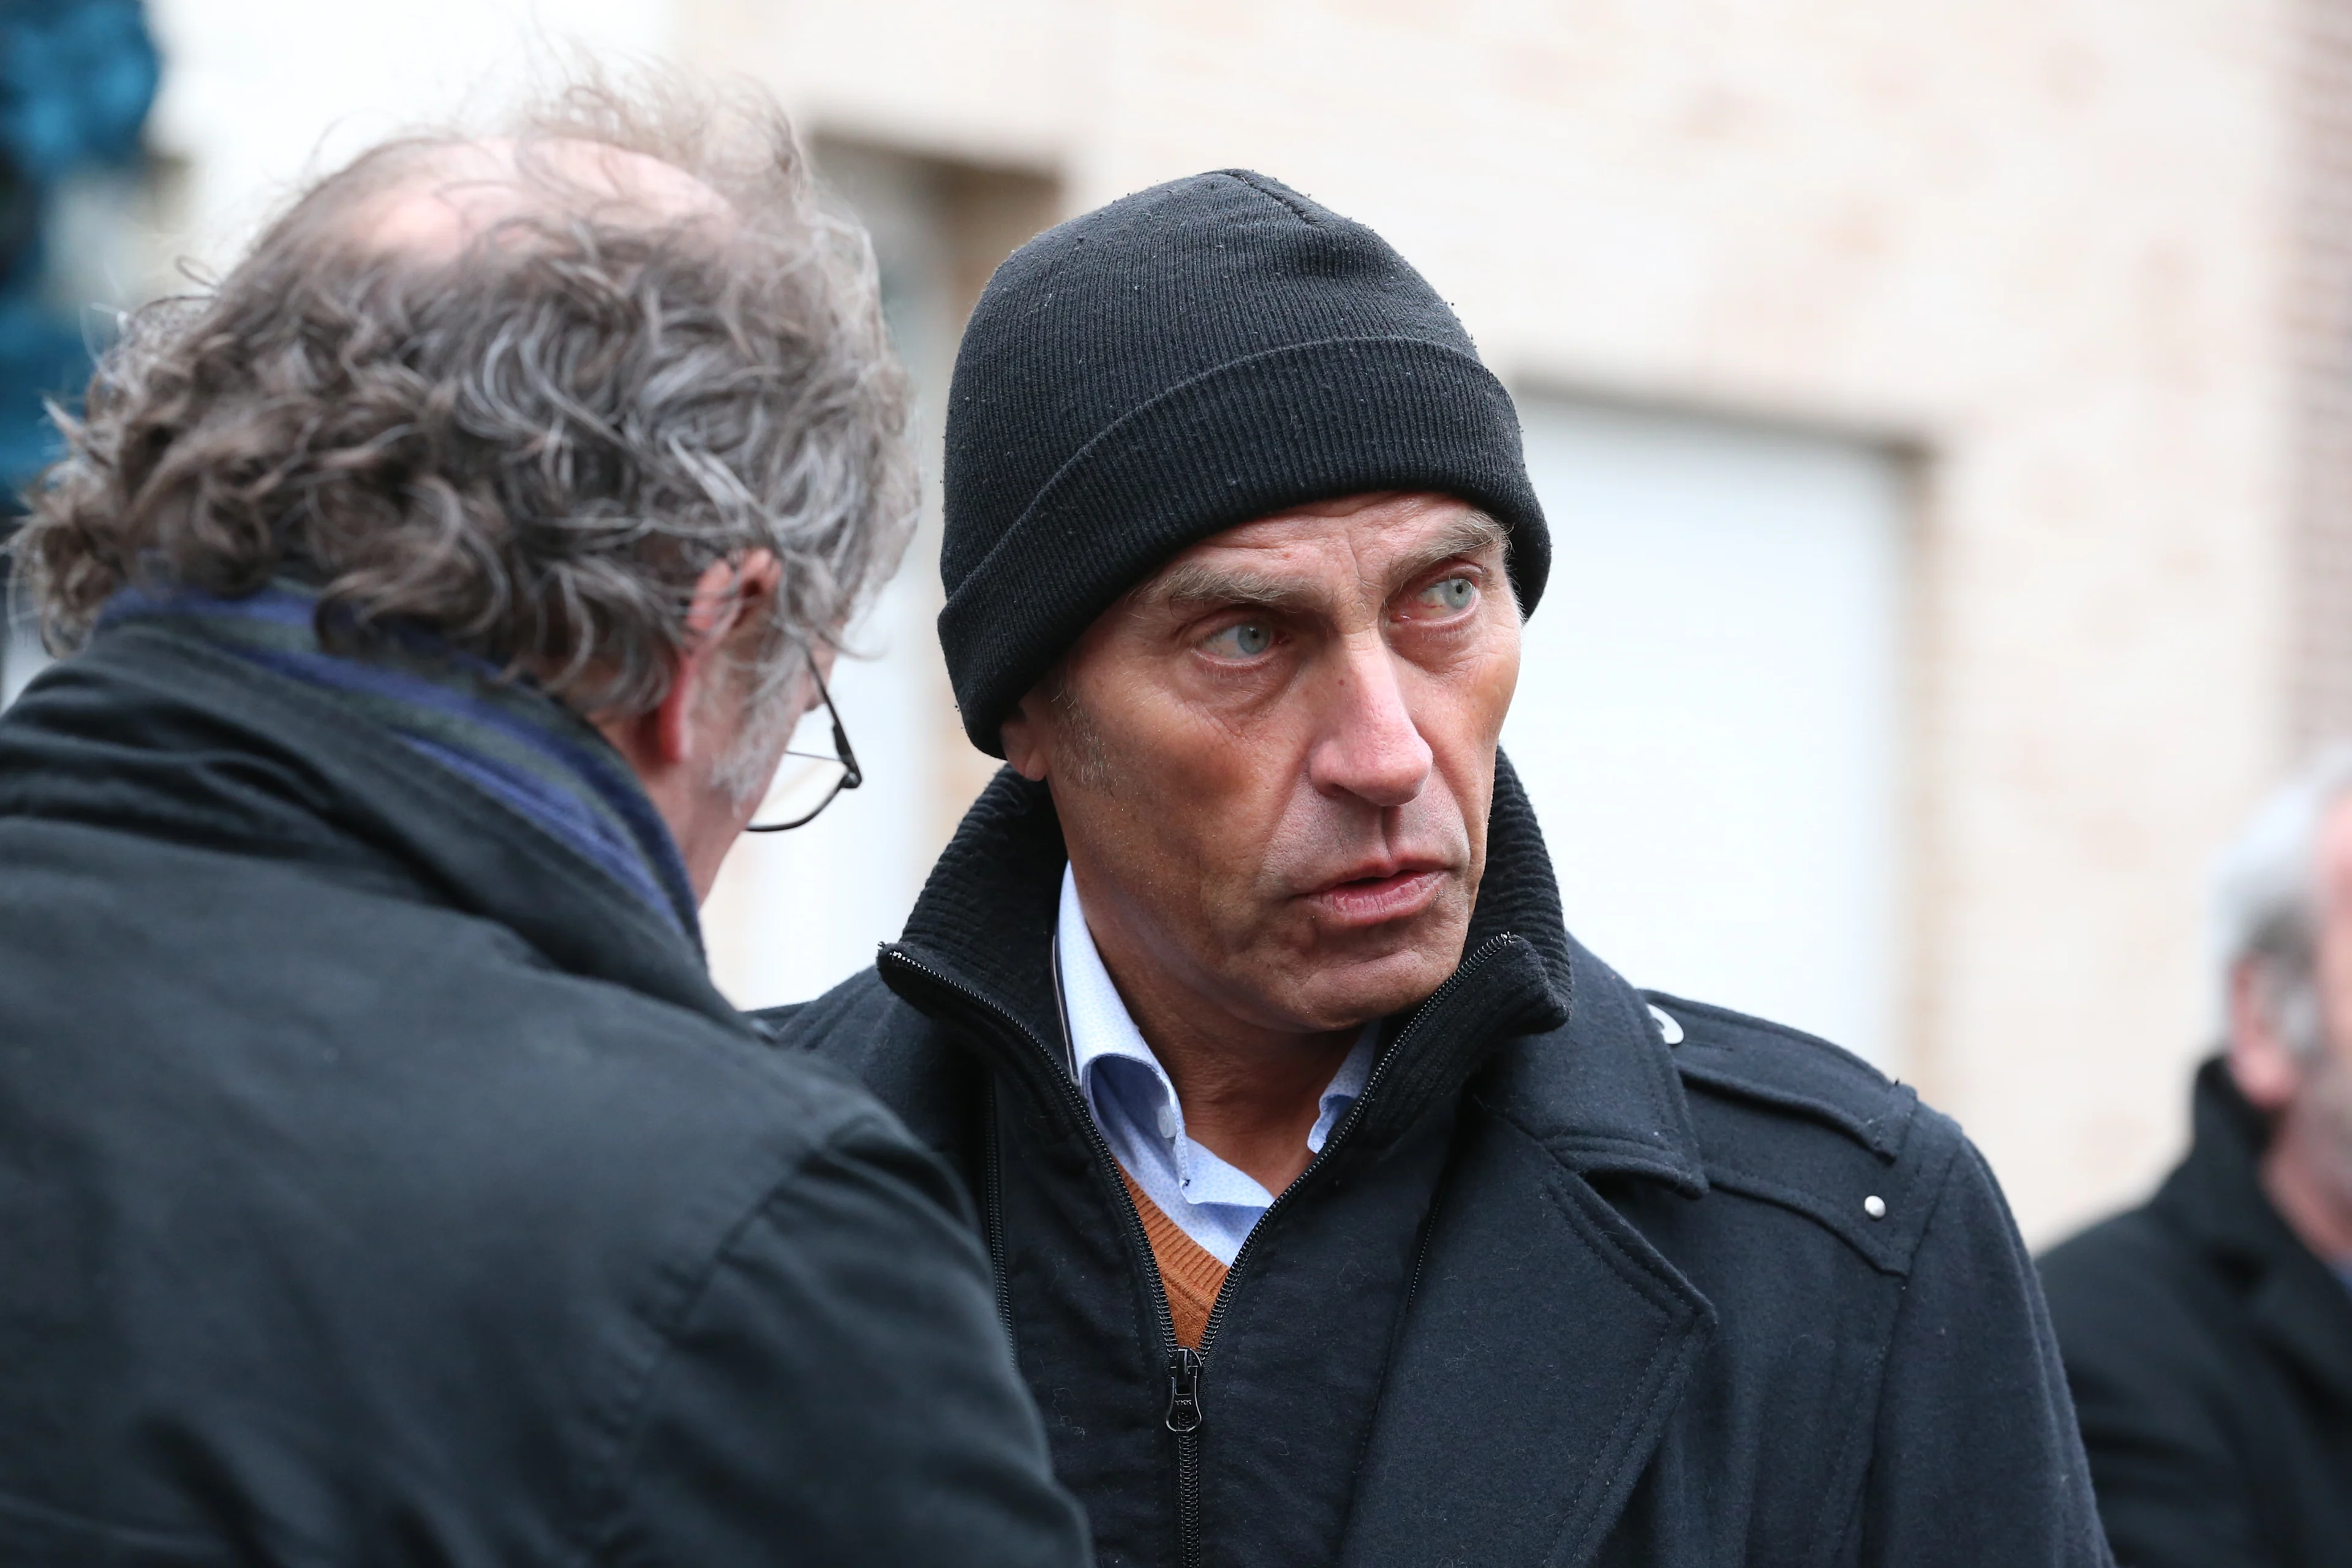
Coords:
1874,1207
1672,1031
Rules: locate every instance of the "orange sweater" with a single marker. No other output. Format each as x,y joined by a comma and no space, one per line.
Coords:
1191,1272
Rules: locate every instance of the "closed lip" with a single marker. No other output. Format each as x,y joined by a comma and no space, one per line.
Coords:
1378,891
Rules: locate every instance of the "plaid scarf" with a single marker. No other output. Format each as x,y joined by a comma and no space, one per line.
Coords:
499,734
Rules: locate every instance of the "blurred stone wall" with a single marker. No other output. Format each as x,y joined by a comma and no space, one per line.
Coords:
2319,339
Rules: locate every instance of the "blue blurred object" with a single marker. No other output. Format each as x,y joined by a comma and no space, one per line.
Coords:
77,79
41,356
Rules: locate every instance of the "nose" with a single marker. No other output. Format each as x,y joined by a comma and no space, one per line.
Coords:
1370,746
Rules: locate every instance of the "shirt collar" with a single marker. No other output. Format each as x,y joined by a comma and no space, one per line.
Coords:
1099,1024
1101,1029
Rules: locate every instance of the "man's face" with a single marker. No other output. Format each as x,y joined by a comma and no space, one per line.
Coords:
1273,762
2308,1168
2321,1100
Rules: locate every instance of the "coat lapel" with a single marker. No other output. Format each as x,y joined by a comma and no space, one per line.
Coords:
1547,1344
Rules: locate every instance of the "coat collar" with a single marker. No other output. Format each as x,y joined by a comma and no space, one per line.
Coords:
985,917
497,731
153,731
1601,1092
2216,1196
1547,1036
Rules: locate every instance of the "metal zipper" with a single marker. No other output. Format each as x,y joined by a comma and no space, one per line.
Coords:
991,1204
1185,1417
1183,1366
1188,1464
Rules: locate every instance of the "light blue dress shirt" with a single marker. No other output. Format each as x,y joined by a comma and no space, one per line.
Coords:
1136,1107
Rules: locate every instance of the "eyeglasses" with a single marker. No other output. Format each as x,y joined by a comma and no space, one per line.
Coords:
806,782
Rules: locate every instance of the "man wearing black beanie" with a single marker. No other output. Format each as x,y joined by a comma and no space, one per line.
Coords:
1342,1208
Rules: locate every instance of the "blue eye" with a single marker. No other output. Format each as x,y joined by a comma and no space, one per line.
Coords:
1247,639
1453,594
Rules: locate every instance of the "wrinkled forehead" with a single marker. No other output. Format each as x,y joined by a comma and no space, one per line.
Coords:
452,194
1345,548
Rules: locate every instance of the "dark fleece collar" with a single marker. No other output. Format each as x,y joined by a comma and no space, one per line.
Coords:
157,731
493,729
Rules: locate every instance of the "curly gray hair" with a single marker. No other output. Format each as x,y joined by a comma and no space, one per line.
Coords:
534,445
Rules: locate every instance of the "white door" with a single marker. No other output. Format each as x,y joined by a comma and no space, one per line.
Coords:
1708,713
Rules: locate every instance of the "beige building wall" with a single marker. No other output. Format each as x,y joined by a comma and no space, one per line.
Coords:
2046,248
2319,345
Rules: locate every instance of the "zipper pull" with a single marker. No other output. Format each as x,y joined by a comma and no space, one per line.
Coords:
1184,1391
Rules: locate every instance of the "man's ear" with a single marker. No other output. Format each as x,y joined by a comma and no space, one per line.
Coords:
729,600
2262,1059
1025,734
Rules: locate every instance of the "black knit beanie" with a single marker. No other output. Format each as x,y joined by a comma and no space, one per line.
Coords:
1185,360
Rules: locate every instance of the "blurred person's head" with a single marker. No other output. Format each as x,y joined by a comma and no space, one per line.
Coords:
2283,937
604,399
1239,537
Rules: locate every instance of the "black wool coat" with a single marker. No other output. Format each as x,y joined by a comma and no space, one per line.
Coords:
1555,1291
381,1184
2210,1355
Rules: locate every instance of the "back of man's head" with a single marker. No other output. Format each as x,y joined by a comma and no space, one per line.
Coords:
521,390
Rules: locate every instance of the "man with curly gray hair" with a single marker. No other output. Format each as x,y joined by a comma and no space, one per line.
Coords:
384,1180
